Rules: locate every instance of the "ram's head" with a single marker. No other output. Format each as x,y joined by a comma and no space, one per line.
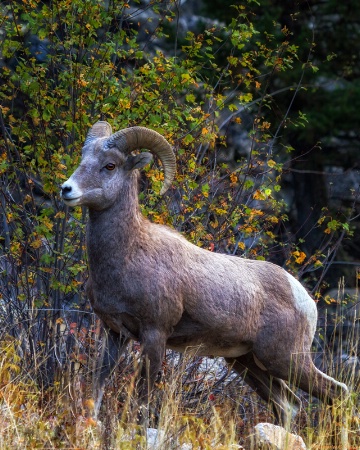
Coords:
108,162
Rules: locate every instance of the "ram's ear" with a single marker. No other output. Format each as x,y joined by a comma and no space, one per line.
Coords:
138,161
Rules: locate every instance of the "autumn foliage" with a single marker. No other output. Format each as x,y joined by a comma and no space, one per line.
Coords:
66,64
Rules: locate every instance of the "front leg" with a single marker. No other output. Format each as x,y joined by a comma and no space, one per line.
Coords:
113,346
153,343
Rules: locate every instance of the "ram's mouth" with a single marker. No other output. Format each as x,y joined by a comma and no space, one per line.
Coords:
71,201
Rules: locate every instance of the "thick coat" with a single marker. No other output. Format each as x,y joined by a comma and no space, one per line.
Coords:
149,283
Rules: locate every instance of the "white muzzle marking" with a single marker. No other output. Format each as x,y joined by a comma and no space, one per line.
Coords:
71,193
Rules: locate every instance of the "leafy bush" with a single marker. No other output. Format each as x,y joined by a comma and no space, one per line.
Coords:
65,65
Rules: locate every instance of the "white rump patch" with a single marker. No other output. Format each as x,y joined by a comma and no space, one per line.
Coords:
303,301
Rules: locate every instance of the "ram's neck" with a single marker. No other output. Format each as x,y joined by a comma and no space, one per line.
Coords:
112,232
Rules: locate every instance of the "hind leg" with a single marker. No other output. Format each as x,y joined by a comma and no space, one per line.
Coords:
310,379
287,355
300,370
329,390
271,389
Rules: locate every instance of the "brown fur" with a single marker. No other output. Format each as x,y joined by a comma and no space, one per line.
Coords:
150,284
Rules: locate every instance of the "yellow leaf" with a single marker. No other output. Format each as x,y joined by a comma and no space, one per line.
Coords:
89,404
59,215
90,422
258,195
36,244
299,257
185,77
233,178
273,219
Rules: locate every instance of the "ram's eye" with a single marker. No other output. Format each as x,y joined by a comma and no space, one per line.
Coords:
110,166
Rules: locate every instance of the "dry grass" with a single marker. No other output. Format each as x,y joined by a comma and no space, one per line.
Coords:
196,403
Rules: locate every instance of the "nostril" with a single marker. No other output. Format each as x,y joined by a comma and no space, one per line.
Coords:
66,189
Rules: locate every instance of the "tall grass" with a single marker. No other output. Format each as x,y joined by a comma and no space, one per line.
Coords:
196,404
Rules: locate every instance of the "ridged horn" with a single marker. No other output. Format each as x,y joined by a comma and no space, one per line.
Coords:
98,130
133,138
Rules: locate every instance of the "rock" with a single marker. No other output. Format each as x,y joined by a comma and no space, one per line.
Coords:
157,440
272,437
153,438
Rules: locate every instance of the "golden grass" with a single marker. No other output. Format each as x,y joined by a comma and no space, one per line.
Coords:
194,404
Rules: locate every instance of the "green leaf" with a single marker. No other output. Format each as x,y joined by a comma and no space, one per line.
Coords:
188,139
46,115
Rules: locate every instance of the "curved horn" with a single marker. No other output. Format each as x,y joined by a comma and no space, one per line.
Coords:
133,138
98,130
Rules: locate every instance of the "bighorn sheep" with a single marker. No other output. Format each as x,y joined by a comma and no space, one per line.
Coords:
149,283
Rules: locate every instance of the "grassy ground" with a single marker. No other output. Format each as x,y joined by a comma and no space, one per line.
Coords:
196,403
